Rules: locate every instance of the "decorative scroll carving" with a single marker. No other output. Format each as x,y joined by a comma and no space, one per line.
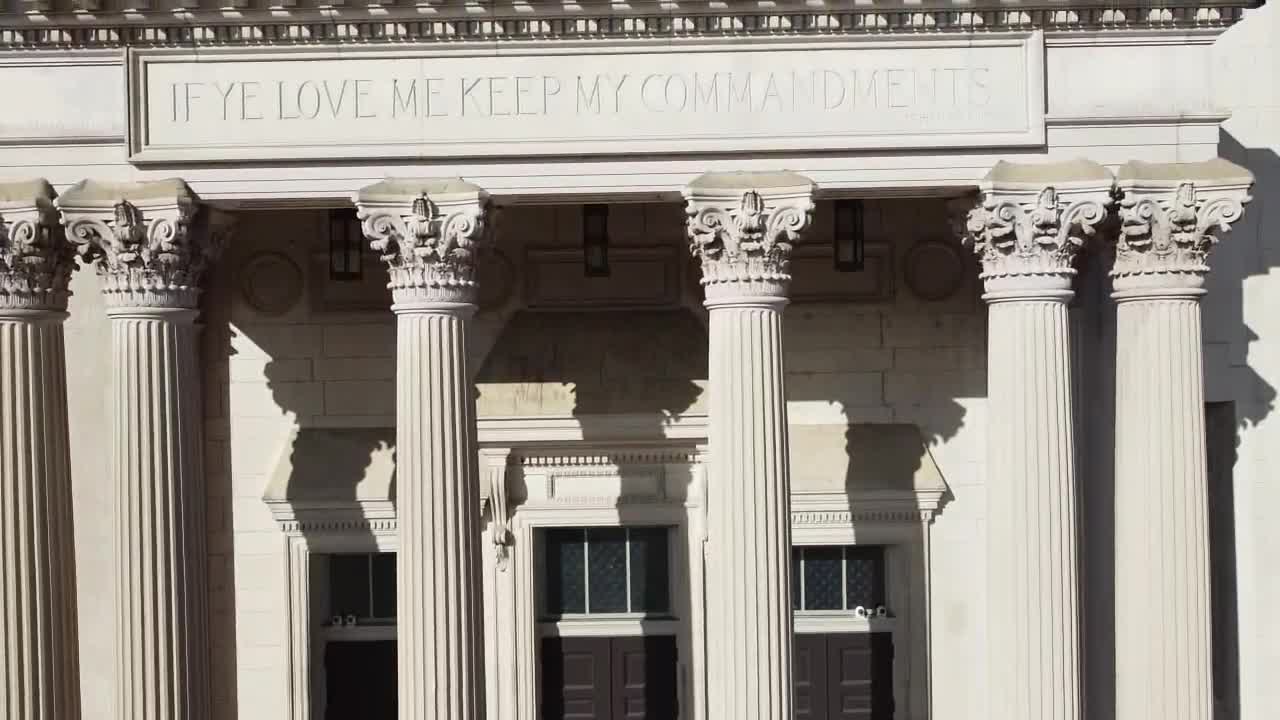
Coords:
430,244
1172,233
1013,237
150,252
36,260
744,240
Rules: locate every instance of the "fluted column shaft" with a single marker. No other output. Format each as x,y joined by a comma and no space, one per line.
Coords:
151,244
1163,653
749,622
39,677
441,640
161,559
1170,217
742,228
430,232
1028,229
1031,512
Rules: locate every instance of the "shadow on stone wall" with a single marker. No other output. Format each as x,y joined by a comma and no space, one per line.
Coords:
1243,253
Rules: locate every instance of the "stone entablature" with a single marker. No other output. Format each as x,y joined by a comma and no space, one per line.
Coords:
87,23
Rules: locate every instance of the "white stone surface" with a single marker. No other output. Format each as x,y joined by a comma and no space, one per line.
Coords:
1170,216
1031,224
429,233
741,230
38,643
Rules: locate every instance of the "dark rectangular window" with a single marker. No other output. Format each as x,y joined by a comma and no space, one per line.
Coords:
837,577
614,570
362,589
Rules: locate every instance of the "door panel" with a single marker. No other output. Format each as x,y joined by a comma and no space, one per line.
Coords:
575,678
644,678
844,676
809,664
627,678
360,680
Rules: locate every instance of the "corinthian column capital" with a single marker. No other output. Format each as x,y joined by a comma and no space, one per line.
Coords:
1170,217
1032,221
742,228
150,242
429,232
35,259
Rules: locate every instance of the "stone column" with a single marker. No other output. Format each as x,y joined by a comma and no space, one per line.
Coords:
742,228
1031,223
39,678
1169,215
429,232
151,243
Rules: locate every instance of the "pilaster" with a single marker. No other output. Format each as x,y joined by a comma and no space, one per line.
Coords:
39,669
429,233
742,228
1031,223
150,244
1170,216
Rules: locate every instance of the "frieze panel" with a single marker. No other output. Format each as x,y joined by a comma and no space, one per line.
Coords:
575,100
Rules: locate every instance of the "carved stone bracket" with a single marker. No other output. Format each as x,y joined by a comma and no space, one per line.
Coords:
150,242
430,233
494,462
1032,221
36,260
742,228
1170,217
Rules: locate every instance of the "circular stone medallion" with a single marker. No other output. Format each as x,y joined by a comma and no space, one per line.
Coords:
271,283
934,270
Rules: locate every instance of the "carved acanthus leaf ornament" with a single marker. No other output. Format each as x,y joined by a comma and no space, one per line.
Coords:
1015,237
430,249
35,259
1172,232
747,245
148,255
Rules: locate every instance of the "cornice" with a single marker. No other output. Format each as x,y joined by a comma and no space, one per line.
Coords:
48,25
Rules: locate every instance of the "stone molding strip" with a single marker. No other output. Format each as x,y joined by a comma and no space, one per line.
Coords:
389,24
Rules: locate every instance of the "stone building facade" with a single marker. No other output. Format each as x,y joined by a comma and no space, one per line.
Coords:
516,360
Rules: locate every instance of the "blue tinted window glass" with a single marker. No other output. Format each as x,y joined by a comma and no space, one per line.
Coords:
607,570
823,589
566,572
865,576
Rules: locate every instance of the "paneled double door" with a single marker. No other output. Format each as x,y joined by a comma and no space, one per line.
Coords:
609,678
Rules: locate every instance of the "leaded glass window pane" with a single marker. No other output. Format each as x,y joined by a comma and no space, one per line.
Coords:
566,585
823,586
607,570
864,575
649,570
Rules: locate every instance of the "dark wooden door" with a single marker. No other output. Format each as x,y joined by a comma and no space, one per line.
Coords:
644,678
843,676
360,680
628,678
809,667
576,678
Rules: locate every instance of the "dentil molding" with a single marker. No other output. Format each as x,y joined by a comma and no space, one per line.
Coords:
150,242
1032,221
36,260
742,228
430,233
1170,218
26,24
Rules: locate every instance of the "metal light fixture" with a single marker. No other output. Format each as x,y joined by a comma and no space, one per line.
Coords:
595,240
850,245
345,245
